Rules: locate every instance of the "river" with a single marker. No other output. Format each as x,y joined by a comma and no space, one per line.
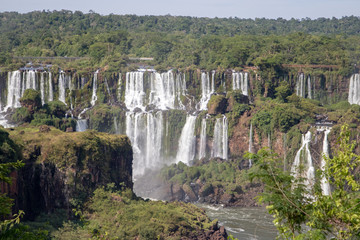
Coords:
243,223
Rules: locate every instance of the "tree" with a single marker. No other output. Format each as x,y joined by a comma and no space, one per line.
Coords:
31,100
294,205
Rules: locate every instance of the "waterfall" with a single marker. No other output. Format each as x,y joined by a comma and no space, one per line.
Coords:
300,85
325,186
116,126
309,87
165,90
220,146
240,81
42,88
206,91
62,84
186,150
134,91
354,89
303,156
213,81
81,125
51,92
250,143
145,133
14,86
202,150
94,96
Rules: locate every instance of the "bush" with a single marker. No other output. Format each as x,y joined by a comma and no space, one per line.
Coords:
56,109
31,100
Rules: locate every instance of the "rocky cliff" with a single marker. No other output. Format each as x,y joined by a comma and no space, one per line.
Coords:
63,169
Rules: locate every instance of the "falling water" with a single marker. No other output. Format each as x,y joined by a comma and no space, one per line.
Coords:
186,150
309,87
300,85
42,88
94,96
145,132
14,90
220,146
206,91
165,90
303,156
134,91
240,81
62,84
354,89
325,186
81,125
116,126
202,150
51,93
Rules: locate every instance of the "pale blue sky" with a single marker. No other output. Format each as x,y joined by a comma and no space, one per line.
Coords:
200,8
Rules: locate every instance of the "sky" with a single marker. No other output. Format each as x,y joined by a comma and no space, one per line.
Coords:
198,8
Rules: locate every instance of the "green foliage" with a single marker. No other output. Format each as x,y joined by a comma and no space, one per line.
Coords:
31,99
181,42
21,115
283,91
272,114
217,104
9,161
121,215
293,204
225,174
55,109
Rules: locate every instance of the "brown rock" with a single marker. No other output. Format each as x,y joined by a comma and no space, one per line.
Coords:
217,105
69,129
189,193
43,128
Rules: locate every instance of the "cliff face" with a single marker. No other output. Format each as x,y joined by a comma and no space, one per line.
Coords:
63,169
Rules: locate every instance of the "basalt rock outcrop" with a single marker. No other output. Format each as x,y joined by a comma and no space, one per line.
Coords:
63,169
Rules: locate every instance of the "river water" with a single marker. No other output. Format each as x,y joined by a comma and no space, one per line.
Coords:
243,223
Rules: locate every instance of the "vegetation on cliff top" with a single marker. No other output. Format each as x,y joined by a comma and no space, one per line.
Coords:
111,214
32,111
109,41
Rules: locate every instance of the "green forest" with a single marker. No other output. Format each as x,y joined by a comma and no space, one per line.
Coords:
178,42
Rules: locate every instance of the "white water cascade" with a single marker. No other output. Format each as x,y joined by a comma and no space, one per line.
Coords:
354,89
206,90
300,85
134,91
14,90
17,83
325,186
51,92
81,125
62,85
94,96
309,88
145,132
240,81
202,149
186,149
42,88
165,90
220,146
303,157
